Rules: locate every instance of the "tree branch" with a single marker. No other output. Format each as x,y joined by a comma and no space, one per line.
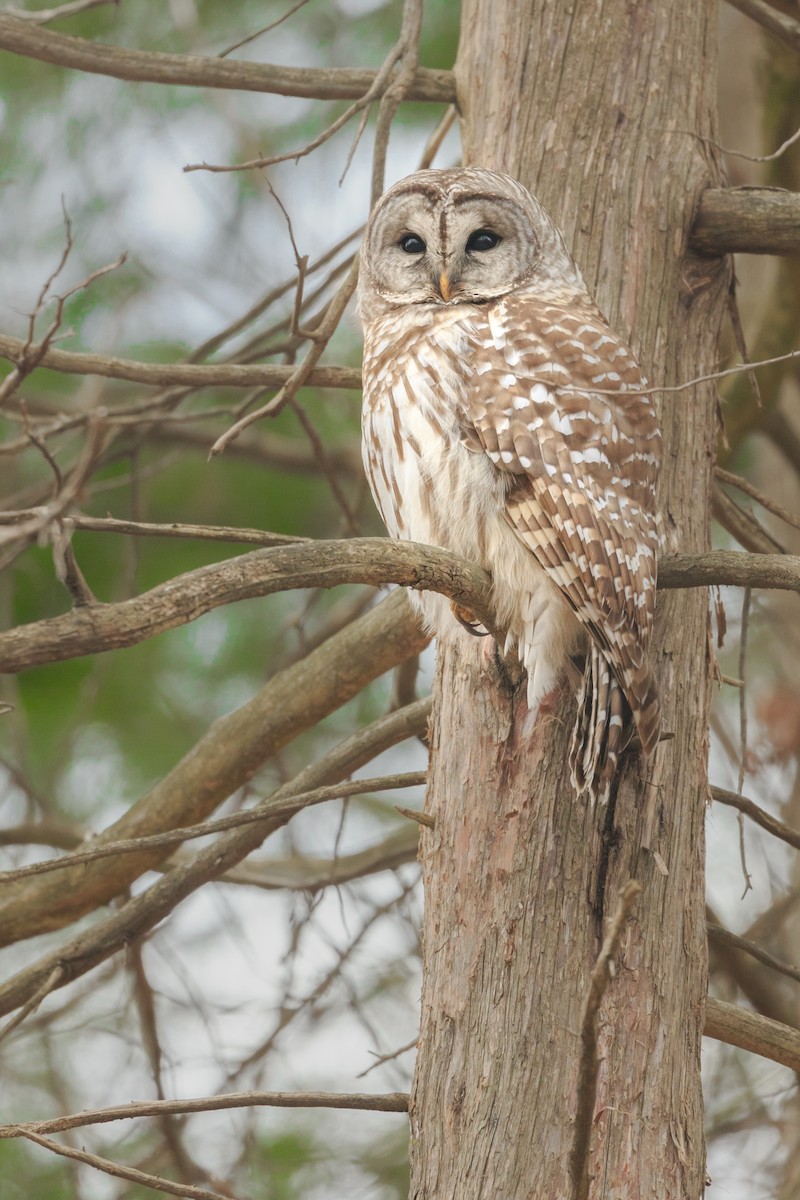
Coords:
140,914
747,220
760,1035
772,19
389,1102
759,815
723,936
311,874
193,375
728,567
92,629
142,66
227,757
377,561
173,837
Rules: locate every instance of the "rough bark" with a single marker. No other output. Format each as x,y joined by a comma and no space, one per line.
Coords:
747,220
592,107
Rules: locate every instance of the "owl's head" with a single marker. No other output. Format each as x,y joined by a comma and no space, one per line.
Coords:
461,236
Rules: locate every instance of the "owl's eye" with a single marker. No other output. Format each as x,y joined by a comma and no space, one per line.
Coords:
411,244
483,239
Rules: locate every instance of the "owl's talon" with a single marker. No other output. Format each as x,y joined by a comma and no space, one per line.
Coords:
467,618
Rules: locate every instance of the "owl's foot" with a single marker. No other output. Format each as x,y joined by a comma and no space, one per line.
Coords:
467,618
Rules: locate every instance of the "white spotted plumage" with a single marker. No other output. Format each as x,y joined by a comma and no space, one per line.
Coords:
504,420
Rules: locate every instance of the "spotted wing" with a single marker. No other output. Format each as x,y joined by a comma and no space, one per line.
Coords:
557,402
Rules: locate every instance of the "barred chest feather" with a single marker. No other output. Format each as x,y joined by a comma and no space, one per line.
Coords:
432,486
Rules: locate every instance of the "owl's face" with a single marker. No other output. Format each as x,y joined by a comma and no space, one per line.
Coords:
460,237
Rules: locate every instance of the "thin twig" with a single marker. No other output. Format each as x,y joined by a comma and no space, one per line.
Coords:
407,55
360,1101
176,529
138,915
772,19
41,16
355,787
758,815
251,37
148,66
193,375
143,1178
303,371
390,1057
721,934
52,981
744,485
273,375
27,530
417,815
745,625
325,465
588,1068
380,85
434,143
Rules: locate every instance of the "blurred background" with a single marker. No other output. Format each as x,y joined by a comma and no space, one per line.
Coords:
277,977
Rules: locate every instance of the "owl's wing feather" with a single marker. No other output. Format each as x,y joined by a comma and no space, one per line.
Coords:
583,468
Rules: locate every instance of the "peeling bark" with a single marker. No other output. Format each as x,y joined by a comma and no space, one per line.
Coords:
594,108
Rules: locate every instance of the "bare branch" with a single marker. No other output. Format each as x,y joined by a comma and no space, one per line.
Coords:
41,16
759,815
744,485
719,933
259,573
27,530
251,37
302,373
742,524
756,985
53,980
228,756
366,1101
192,71
43,833
355,787
383,82
192,375
772,19
407,52
144,911
311,874
143,1178
309,564
727,567
760,1035
746,220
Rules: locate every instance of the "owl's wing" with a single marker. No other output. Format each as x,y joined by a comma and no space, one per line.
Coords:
556,402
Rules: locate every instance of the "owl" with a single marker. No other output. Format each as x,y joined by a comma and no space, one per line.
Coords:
505,421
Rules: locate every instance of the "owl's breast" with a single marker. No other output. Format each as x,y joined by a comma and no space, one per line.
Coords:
428,486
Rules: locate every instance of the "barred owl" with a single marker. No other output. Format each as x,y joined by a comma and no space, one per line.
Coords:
505,421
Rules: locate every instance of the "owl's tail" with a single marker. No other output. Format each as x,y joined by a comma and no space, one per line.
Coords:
599,735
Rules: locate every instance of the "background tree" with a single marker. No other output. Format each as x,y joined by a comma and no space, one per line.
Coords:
286,971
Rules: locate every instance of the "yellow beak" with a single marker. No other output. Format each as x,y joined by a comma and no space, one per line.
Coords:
444,287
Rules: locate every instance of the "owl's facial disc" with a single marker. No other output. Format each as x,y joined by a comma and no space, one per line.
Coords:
435,247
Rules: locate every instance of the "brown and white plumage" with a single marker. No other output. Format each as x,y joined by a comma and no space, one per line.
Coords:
504,420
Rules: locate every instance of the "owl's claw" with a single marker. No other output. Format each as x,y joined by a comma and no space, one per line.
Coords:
467,618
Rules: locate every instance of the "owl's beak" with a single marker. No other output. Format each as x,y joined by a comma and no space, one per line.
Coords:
444,286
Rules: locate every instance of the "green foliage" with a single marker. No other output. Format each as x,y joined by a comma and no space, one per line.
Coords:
29,1173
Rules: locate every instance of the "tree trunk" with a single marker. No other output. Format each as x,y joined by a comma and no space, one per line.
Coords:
600,109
